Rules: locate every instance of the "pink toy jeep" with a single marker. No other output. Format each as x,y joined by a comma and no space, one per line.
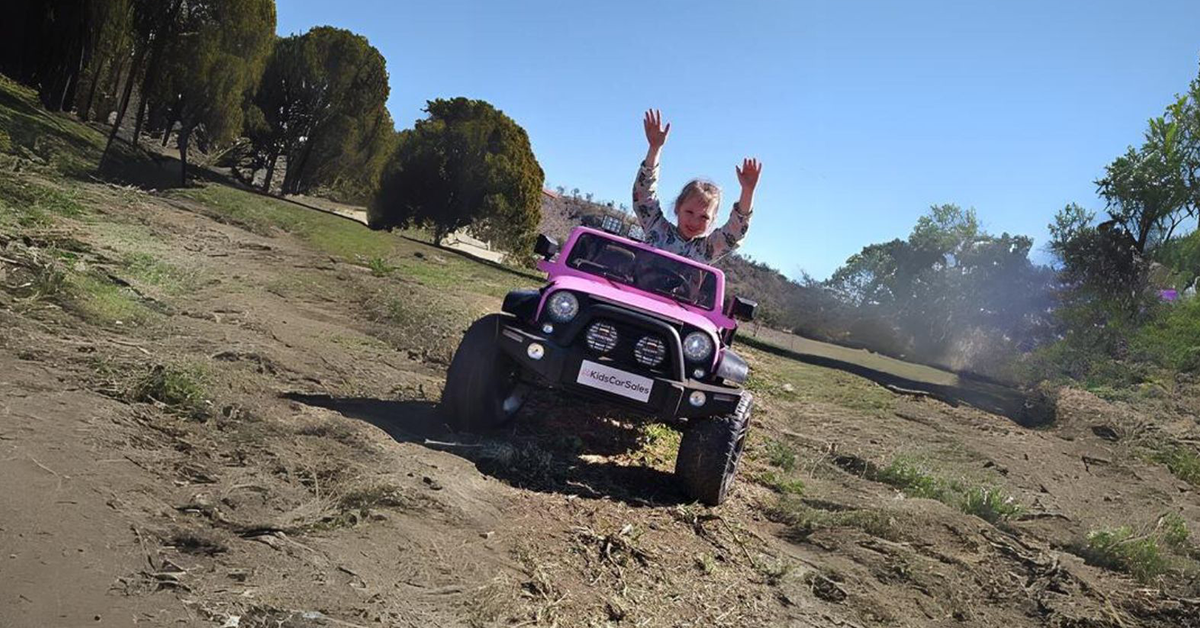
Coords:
624,322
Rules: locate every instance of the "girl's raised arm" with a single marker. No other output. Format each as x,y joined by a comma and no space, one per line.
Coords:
725,240
645,186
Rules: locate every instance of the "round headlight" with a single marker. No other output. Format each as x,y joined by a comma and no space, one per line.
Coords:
697,346
562,306
650,351
601,337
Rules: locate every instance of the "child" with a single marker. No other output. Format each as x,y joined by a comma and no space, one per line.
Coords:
696,207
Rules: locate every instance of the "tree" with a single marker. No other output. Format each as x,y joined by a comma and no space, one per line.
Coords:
110,43
948,283
46,45
322,98
214,57
466,164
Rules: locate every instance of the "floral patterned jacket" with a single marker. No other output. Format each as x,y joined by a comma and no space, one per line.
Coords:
663,234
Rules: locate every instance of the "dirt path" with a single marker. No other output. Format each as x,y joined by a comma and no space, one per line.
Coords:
244,435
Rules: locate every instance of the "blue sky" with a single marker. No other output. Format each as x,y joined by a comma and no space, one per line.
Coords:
864,113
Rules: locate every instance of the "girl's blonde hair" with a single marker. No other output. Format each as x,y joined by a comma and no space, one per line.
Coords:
704,188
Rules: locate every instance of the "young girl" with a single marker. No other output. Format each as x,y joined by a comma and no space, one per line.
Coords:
695,207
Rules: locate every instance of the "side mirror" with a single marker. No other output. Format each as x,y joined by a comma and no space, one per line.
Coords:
545,247
742,309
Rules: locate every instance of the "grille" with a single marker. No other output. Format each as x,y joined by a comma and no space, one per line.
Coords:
631,345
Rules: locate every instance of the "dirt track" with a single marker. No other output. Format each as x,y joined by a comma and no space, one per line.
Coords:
308,482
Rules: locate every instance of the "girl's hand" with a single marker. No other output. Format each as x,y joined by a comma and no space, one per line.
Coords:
655,133
748,173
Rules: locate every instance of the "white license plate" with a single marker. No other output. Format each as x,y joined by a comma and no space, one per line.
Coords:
615,381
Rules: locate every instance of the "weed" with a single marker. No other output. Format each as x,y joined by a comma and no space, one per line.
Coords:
1174,531
102,302
375,496
776,571
658,443
380,267
171,278
781,484
1182,461
992,504
780,455
181,388
1120,550
804,520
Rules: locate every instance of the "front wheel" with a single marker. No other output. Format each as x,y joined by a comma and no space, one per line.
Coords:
482,389
710,452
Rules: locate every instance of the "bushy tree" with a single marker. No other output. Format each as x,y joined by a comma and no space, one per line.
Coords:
948,282
322,98
466,164
210,62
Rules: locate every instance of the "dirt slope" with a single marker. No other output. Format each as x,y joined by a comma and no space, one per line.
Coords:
217,409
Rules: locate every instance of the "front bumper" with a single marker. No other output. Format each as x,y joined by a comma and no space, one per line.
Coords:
559,367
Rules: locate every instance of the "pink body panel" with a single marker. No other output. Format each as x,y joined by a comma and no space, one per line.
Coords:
563,277
558,273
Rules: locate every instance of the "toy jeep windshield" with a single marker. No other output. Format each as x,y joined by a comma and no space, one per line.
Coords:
624,322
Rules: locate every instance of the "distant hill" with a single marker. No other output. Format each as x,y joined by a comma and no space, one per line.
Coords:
783,303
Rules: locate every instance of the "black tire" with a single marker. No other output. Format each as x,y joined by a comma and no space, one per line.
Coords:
710,452
482,391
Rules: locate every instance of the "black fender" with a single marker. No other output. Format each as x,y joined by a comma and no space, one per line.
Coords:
732,368
522,303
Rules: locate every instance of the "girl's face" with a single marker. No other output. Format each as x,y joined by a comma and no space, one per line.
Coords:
695,214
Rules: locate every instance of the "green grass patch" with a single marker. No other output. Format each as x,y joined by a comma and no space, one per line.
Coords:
658,444
916,479
50,139
1182,461
779,455
380,267
26,202
172,279
1119,549
792,381
803,520
388,254
1172,339
101,302
780,483
182,388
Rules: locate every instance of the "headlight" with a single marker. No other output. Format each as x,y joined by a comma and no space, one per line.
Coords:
697,346
562,306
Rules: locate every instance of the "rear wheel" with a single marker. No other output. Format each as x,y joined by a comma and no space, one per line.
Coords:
710,452
482,389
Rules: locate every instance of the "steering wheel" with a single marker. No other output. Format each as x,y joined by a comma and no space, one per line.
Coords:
666,279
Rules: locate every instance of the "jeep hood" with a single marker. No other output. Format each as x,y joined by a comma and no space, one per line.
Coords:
633,298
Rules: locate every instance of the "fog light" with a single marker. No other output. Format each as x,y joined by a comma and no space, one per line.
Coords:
601,337
650,351
698,373
697,398
547,328
535,351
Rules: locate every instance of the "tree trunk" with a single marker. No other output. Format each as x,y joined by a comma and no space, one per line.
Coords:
184,135
133,71
114,83
171,120
295,172
141,115
266,186
85,112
